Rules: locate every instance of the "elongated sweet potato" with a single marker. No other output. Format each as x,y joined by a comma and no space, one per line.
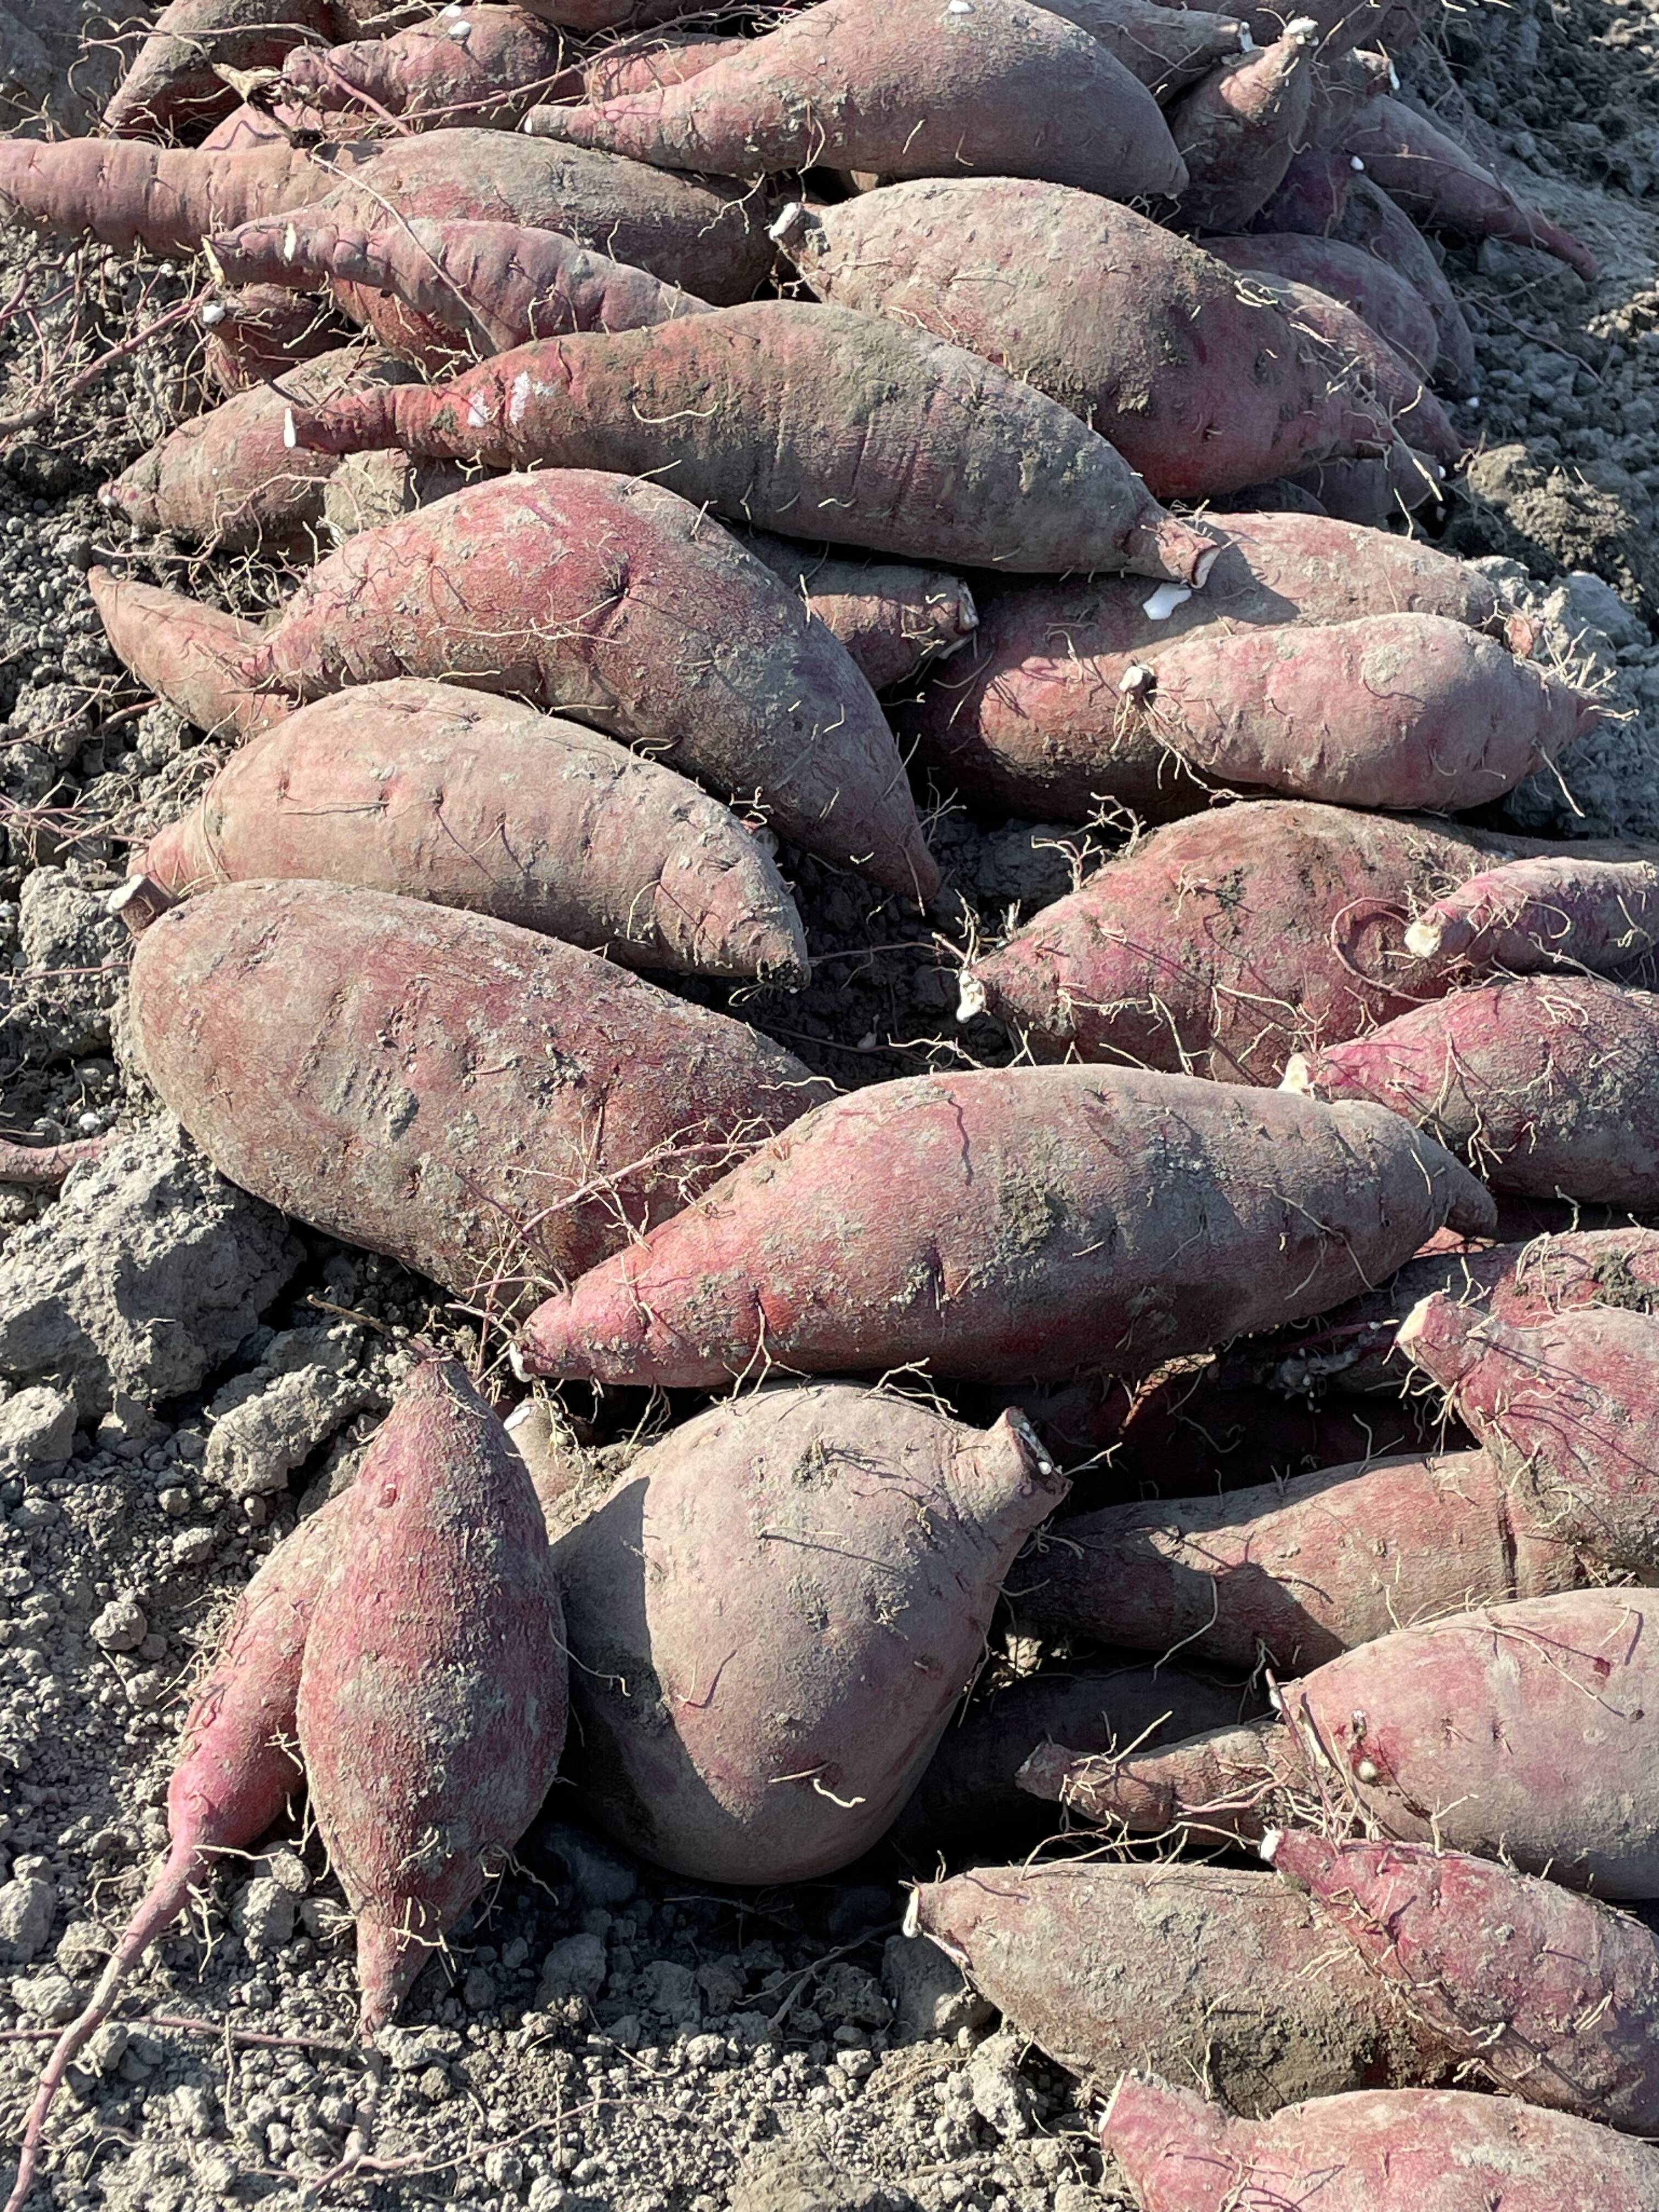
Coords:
1238,129
482,65
188,654
476,802
1521,1732
1192,1968
618,602
227,480
1164,47
1549,1082
772,1616
1010,1224
259,332
1555,1997
486,286
483,1102
1369,219
1395,310
901,88
1373,2150
1369,365
798,417
1406,712
1550,911
164,198
1131,327
174,81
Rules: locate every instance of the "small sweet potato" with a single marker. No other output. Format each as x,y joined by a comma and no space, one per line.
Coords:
1311,195
1372,2150
188,654
772,1616
1550,911
1166,48
483,65
901,89
1395,310
1554,1997
893,619
1377,493
641,63
486,1104
618,602
1237,128
1007,1225
795,417
1551,1083
365,491
471,801
259,332
174,82
1372,221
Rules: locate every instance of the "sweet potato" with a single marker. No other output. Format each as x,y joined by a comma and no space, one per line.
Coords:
188,654
227,480
587,15
1553,1996
1166,48
432,1697
482,1102
486,286
772,1616
174,82
1007,1225
1441,185
42,1167
1369,365
480,65
618,602
1376,493
1311,195
1393,308
798,417
902,88
1388,2150
1549,1082
1133,329
893,620
477,802
1402,711
1198,1969
1521,1731
163,198
236,1770
365,491
1237,128
1550,911
640,64
256,334
1371,220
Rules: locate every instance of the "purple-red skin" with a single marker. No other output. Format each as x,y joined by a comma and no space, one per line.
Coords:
173,82
1550,911
1369,364
42,1167
484,1103
262,330
1004,1225
1238,129
1554,1997
1394,310
164,198
188,654
1369,219
1377,493
894,619
1373,2150
1311,195
1166,48
485,67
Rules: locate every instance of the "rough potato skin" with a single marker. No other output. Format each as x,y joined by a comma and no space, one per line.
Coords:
893,619
1371,220
163,198
1362,361
618,602
1238,129
487,67
1394,308
470,802
1011,1224
802,418
1207,1969
432,1701
172,82
901,88
261,331
1401,2150
1164,47
1547,912
1555,1996
191,656
1549,1083
1202,386
773,1615
482,1102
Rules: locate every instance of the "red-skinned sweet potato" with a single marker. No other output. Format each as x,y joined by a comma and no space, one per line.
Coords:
893,619
1008,1225
257,333
471,801
482,65
1164,47
1369,219
1550,911
1136,331
487,1105
1311,195
1549,1082
1373,2150
772,1616
1369,365
1238,128
620,603
164,198
795,417
174,81
188,654
901,89
1393,308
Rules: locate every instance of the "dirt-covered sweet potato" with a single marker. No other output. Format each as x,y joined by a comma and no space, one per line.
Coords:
622,604
190,655
489,1105
1369,365
1369,219
1394,308
163,198
1196,377
773,1613
1377,493
1009,1225
1166,48
174,80
472,801
482,65
258,333
1237,128
893,619
1552,910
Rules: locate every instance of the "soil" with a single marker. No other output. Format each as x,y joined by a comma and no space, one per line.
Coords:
183,1372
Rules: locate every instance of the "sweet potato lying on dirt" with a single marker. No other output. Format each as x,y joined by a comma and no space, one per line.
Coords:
772,1616
483,1102
1372,221
1009,1225
901,89
471,801
1549,911
1238,129
1395,310
1188,1967
164,198
1551,1083
483,65
1116,318
172,80
893,619
1373,2150
260,331
1555,1775
188,654
1555,1997
622,604
798,418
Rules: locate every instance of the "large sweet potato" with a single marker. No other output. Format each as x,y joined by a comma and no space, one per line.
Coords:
1008,1225
487,1105
483,65
472,801
190,655
772,1616
164,198
618,602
